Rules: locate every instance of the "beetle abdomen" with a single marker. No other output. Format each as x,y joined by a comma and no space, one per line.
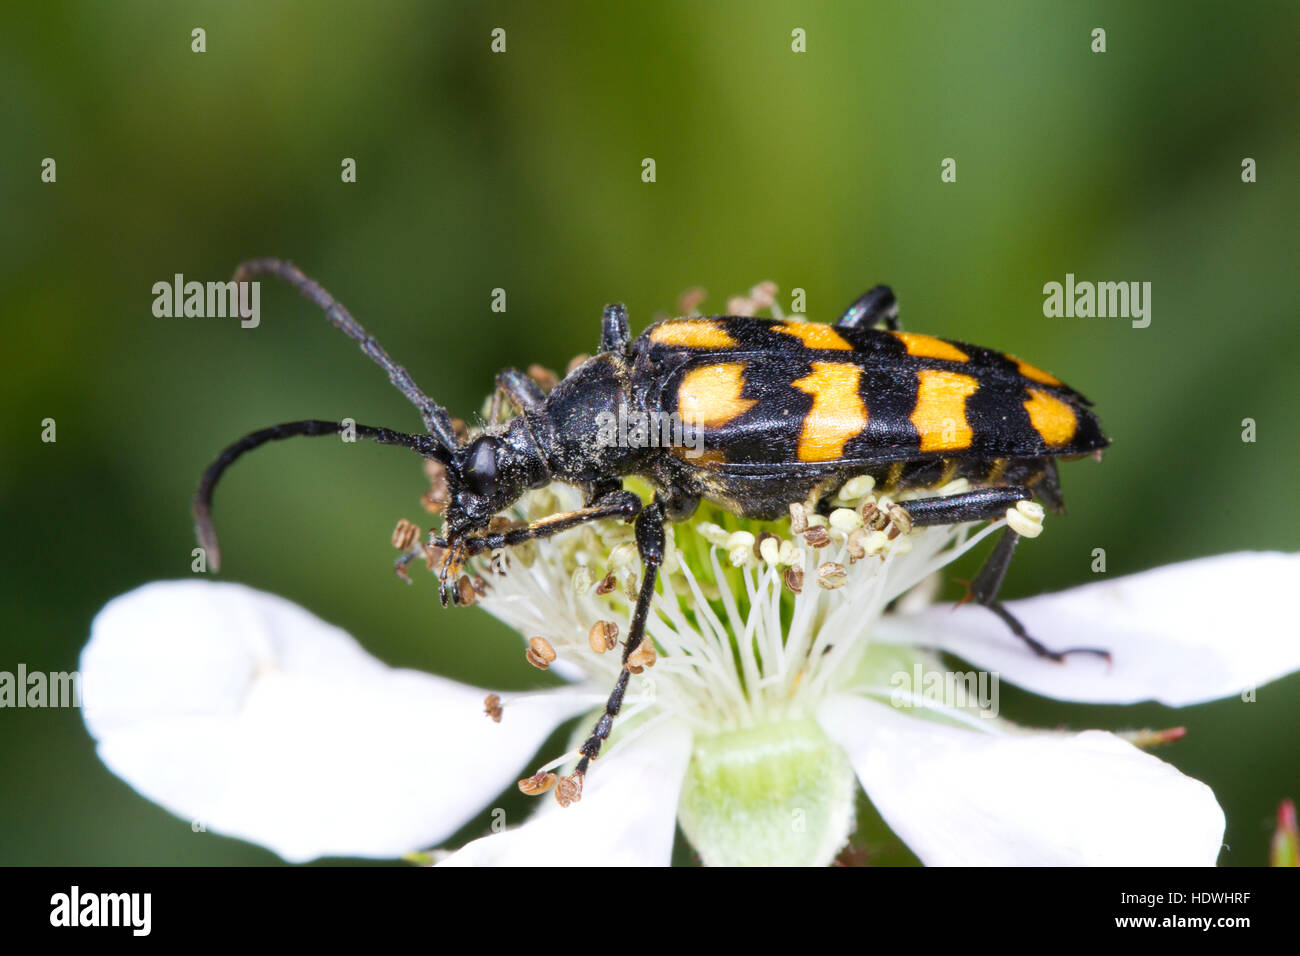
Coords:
772,393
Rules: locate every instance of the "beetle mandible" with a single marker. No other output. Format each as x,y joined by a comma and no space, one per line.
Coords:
785,411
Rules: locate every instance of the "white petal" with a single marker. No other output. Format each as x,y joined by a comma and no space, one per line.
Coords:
961,797
240,711
1181,634
627,815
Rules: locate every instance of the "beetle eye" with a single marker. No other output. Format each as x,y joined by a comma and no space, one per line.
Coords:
481,468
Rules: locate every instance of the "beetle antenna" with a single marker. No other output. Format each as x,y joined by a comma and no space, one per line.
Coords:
436,418
425,445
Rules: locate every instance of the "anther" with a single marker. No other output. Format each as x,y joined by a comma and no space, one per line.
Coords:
716,535
873,516
763,294
404,535
690,300
858,487
644,656
793,579
582,579
492,707
740,305
857,545
901,520
1026,519
433,556
540,653
603,636
543,376
798,518
465,593
831,576
739,547
846,520
435,499
568,789
623,556
817,537
538,783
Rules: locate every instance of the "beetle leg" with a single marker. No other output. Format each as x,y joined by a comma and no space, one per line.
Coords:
650,543
985,589
980,505
614,331
616,504
870,308
524,394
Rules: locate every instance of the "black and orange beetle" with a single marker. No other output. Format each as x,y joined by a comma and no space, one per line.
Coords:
783,411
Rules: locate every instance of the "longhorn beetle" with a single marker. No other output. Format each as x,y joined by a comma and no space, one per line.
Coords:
789,411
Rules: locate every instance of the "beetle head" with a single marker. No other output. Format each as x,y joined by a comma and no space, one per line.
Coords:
485,476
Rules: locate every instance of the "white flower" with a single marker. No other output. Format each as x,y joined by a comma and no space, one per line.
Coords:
759,717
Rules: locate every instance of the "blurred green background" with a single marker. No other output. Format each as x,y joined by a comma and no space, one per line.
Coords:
522,171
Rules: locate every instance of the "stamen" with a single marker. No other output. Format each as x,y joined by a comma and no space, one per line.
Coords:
644,656
793,580
435,499
603,636
737,634
568,790
740,548
858,487
543,376
831,576
767,548
1148,738
540,653
582,579
538,783
466,594
1026,519
900,519
817,537
798,518
404,535
846,520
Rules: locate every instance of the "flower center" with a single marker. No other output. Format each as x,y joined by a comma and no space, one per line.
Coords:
754,622
769,795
